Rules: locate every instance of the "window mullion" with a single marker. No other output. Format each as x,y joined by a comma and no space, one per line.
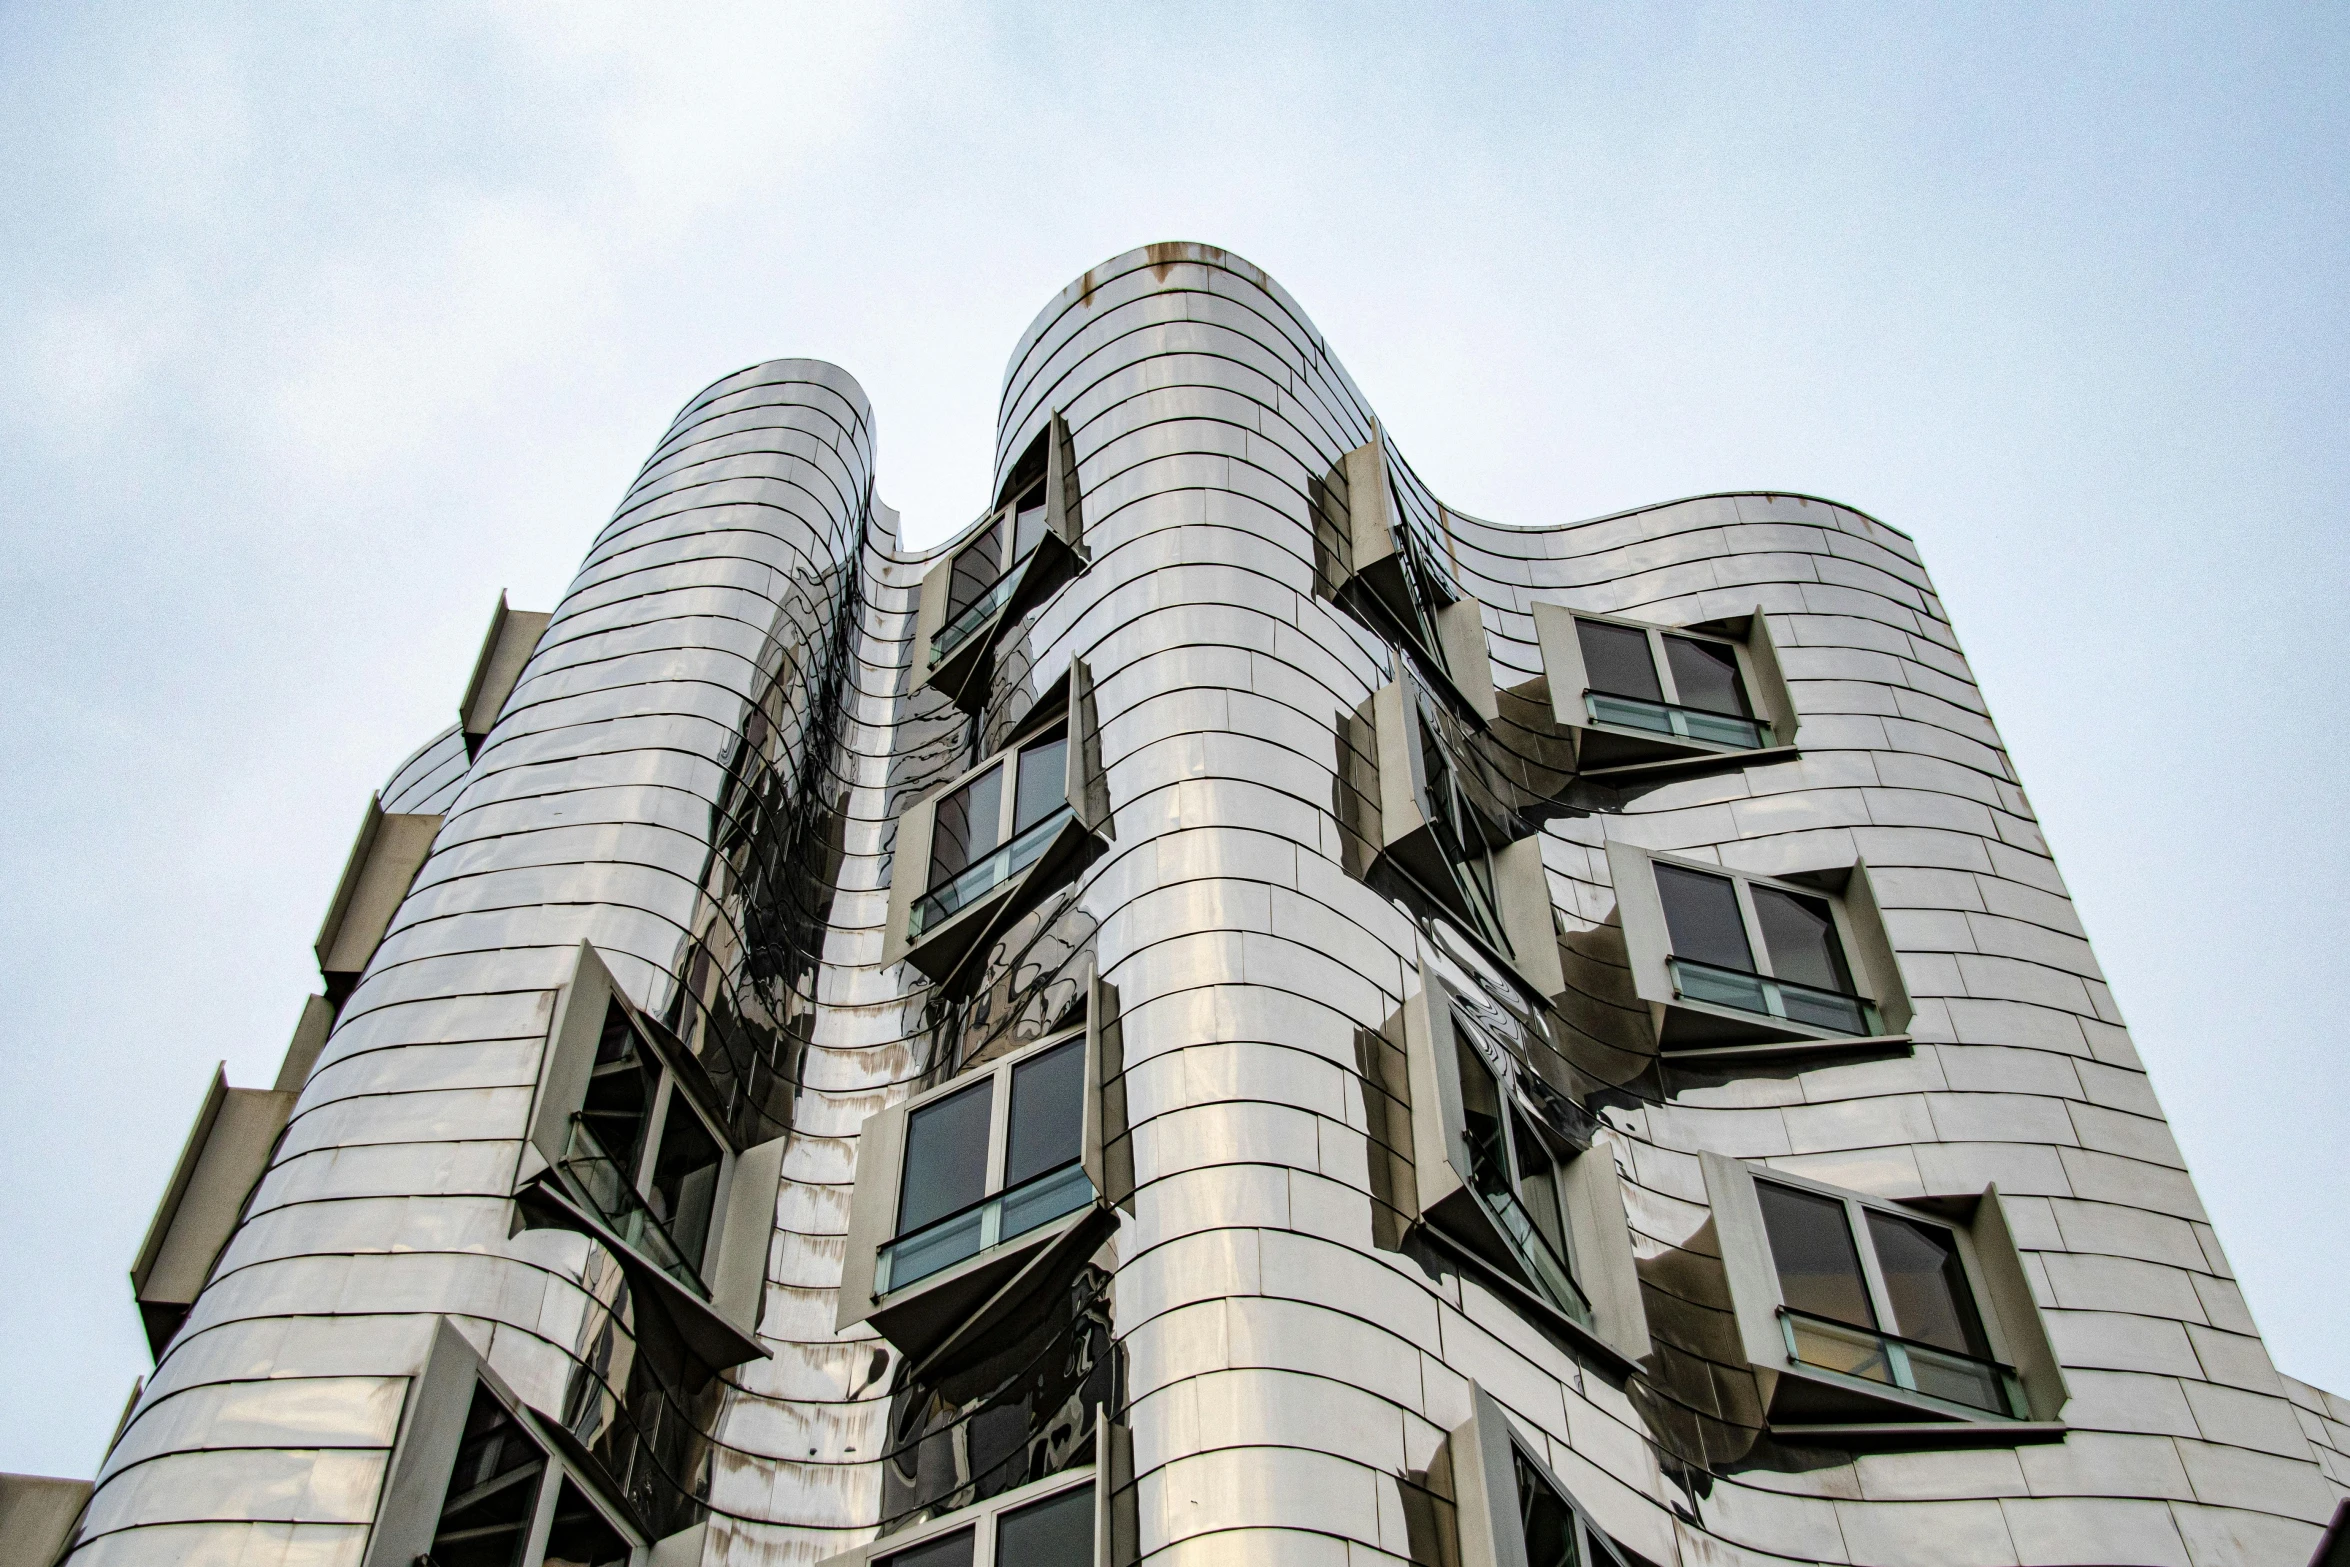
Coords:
542,1512
999,1127
1755,945
656,1120
1880,1298
1664,666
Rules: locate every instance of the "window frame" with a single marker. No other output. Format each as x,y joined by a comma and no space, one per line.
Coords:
720,1318
424,1456
1066,708
1482,1453
1523,937
922,1314
1614,1326
1862,1411
1690,1028
1612,752
984,1517
962,670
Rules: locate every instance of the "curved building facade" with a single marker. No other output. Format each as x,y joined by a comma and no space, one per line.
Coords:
1233,1013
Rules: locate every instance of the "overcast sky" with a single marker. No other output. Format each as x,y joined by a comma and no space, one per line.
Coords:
319,325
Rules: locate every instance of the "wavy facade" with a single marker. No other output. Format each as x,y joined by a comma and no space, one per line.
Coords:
1232,1014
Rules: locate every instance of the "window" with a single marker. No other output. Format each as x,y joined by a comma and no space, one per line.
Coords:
628,1144
1508,1507
1862,1312
1505,1175
1027,545
1053,1523
1436,819
476,1481
960,1187
1391,566
963,853
1645,699
1732,962
992,827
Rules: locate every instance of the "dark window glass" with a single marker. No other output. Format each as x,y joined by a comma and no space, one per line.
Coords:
1800,935
1927,1285
953,1551
967,826
946,1157
1545,1519
1811,1244
1028,522
1056,1532
976,570
1048,1112
493,1490
685,1178
1044,784
580,1536
1617,661
1705,674
620,1095
1481,1121
1701,914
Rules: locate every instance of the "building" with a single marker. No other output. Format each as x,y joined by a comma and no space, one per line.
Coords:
1234,1014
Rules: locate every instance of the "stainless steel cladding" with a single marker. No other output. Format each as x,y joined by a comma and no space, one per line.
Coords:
1231,1014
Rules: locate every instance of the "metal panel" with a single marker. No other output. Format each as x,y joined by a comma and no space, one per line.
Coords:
513,635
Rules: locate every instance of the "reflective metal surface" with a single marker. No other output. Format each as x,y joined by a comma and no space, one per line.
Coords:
701,770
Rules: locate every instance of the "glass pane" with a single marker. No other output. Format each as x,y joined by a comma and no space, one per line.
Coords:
493,1490
1705,674
953,1551
1926,1284
1028,522
620,1096
969,825
1616,660
1056,1532
1538,1184
1043,1200
1048,1112
580,1536
1044,784
1701,913
1481,1119
685,1178
976,570
1811,1243
1800,935
1548,1523
946,1157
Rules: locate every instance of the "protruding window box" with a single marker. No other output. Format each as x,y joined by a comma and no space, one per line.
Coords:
390,849
477,1476
1505,1172
966,854
1735,965
1870,1322
1648,702
1509,1510
225,1155
513,636
1449,839
1390,564
968,1192
1028,545
628,1144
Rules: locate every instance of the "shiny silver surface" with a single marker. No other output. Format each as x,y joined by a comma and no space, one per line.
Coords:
1286,1375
